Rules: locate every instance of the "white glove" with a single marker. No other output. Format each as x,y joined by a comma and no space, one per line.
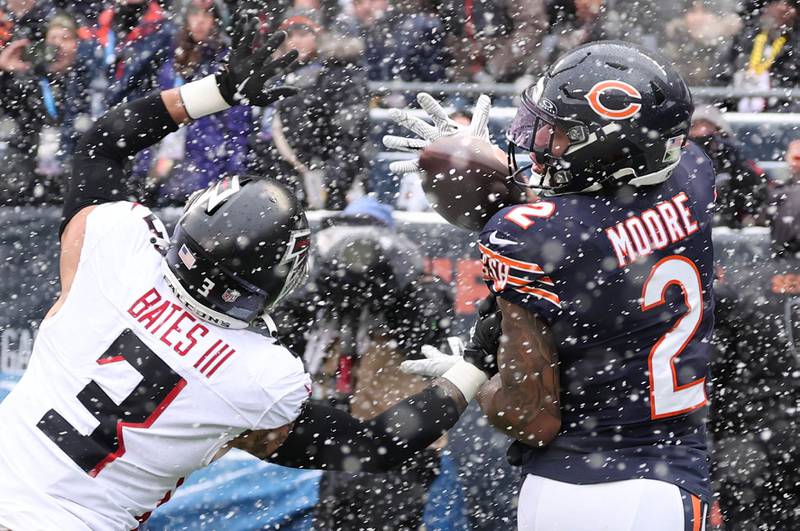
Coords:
464,375
436,362
442,126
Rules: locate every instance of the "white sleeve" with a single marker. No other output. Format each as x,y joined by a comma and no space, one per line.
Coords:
285,396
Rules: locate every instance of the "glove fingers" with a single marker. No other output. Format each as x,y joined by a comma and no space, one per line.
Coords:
245,46
284,91
413,367
278,66
404,166
433,108
431,352
268,48
414,124
480,118
399,143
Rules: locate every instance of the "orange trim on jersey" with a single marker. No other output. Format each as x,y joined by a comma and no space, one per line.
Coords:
516,281
697,513
525,266
541,293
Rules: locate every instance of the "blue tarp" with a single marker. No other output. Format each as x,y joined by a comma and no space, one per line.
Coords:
239,492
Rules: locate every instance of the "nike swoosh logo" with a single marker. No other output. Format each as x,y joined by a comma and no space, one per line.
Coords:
494,240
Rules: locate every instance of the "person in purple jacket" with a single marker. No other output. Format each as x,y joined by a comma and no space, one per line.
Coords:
209,147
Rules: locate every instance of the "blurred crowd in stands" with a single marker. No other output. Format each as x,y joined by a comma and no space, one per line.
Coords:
63,63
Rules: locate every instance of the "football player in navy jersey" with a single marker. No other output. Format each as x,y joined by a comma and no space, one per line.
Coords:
604,284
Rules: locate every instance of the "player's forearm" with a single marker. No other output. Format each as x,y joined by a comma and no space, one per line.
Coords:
175,107
525,414
127,129
522,399
330,439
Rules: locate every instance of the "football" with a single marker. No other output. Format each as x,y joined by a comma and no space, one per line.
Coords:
465,182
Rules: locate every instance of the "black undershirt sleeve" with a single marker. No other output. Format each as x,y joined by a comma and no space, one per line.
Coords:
98,174
326,438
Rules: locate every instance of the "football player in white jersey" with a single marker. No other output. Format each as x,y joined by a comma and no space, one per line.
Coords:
147,367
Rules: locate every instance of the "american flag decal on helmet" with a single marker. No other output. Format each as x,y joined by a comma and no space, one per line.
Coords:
186,257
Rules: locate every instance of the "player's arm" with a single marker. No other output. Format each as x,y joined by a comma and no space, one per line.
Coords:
522,399
99,175
327,438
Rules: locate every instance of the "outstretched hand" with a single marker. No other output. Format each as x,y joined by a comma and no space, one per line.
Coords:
442,126
248,71
436,362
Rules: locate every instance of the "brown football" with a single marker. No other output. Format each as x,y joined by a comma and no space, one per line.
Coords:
465,182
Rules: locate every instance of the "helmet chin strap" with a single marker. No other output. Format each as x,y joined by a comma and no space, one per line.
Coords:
270,324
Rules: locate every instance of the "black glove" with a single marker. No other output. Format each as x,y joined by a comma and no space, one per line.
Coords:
484,341
243,79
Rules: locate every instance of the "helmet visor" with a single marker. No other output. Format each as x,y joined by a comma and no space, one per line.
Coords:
538,132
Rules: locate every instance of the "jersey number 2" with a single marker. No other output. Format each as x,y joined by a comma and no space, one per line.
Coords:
667,398
158,387
521,215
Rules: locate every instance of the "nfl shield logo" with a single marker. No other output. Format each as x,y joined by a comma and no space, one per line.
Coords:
230,295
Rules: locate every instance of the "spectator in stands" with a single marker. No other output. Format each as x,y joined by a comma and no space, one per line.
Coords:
49,101
741,184
316,145
756,391
84,11
421,53
577,22
404,40
215,145
764,54
494,40
76,64
696,40
374,22
779,191
137,39
793,160
24,19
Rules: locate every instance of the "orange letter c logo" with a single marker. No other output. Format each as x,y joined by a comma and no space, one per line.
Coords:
593,97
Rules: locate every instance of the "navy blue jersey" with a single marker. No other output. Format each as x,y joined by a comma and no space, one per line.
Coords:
625,283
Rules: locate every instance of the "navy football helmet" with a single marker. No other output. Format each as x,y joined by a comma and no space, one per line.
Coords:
240,246
604,115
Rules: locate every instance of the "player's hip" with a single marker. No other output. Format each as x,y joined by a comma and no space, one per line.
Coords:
549,505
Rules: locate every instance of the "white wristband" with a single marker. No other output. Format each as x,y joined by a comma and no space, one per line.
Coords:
202,97
467,377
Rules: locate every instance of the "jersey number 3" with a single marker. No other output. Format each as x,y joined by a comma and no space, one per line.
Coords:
158,387
667,398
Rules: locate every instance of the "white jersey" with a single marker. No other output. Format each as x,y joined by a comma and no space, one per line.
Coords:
127,392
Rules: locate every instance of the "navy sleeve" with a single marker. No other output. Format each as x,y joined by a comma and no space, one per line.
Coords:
520,250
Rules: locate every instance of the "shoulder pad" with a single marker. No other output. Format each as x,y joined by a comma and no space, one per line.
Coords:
519,249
